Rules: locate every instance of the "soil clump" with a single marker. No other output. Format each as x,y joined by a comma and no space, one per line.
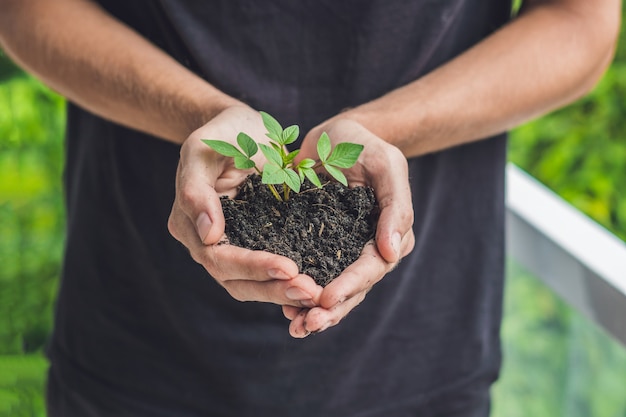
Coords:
321,230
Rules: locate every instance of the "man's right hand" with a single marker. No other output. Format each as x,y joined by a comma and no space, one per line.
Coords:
197,220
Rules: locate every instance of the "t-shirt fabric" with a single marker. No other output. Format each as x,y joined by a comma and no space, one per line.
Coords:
142,330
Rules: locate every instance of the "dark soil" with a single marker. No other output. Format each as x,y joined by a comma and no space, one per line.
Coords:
321,230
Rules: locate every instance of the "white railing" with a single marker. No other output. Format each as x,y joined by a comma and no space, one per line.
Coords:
580,260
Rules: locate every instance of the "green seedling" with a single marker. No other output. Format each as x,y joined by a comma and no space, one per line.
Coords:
280,167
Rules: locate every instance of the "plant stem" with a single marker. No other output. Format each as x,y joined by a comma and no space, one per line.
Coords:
273,190
271,186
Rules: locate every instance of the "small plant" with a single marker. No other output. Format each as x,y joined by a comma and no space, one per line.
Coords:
280,167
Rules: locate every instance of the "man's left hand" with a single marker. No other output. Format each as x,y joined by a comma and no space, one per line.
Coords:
383,167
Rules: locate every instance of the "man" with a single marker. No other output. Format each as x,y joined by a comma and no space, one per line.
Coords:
427,87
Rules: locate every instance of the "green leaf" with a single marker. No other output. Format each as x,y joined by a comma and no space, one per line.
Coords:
345,155
306,163
278,148
272,126
290,134
273,174
242,162
336,174
312,176
291,156
293,180
223,148
247,144
274,137
323,147
272,155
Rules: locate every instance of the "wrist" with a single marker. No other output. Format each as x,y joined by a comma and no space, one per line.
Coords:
398,118
206,108
384,121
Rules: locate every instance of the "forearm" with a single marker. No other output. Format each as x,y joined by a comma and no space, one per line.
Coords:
553,53
102,65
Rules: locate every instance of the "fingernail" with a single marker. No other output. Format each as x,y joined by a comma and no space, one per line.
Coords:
277,274
321,329
395,243
203,225
297,294
307,303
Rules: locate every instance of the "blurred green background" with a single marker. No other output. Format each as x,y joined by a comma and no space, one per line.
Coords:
556,363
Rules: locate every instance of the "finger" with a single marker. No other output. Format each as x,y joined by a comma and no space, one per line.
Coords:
182,227
349,289
290,312
297,327
198,200
394,200
362,275
318,319
300,291
366,271
385,168
251,275
408,244
229,262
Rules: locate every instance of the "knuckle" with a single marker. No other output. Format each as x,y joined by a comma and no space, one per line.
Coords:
236,292
238,296
411,244
410,247
172,226
407,217
186,196
199,257
207,259
204,257
397,154
361,296
377,165
396,158
334,321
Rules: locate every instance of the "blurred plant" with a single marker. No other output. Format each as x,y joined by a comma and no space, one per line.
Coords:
580,151
31,211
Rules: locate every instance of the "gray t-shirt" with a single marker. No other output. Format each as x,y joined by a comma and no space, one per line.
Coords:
142,330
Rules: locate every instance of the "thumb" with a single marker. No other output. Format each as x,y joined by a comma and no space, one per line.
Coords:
392,225
208,232
199,202
206,213
396,210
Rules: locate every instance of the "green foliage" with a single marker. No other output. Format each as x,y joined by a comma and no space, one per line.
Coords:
580,151
21,385
556,363
31,211
280,168
32,120
8,69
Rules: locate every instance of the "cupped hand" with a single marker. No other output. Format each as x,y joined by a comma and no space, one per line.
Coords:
383,167
197,221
